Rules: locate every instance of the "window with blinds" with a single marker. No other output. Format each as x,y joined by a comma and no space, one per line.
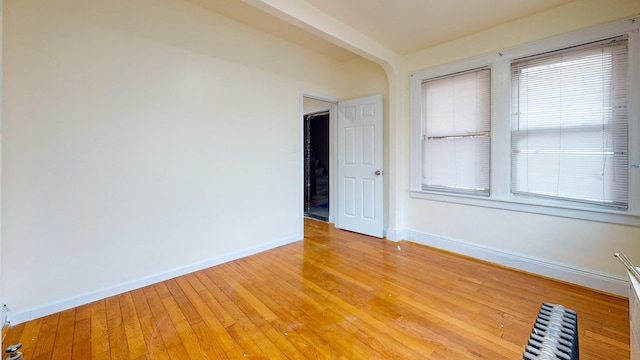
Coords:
456,132
569,131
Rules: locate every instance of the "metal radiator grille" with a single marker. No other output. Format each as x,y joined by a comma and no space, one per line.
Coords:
554,335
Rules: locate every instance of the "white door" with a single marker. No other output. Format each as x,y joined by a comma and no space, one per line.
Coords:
360,166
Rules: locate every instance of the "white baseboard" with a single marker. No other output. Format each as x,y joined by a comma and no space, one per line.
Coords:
394,234
68,303
610,283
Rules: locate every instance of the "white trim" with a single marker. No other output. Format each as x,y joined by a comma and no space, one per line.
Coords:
633,92
333,162
78,300
533,206
317,96
593,279
393,234
499,62
609,283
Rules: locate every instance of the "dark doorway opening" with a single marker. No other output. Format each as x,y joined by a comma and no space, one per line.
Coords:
316,165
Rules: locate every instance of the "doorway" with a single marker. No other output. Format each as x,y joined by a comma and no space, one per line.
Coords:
316,165
355,178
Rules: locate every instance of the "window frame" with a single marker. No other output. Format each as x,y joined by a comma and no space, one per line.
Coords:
451,136
500,158
549,76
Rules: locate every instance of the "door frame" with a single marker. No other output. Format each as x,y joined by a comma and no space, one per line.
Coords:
332,103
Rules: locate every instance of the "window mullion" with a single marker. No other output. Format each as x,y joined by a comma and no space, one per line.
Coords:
633,94
500,129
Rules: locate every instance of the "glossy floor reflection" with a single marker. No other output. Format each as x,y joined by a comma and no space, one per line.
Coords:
335,295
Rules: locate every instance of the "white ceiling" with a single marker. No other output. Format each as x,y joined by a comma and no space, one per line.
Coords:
406,26
403,26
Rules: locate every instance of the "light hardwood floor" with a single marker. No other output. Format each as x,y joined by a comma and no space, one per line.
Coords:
335,295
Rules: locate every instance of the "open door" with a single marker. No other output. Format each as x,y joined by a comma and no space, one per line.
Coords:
360,166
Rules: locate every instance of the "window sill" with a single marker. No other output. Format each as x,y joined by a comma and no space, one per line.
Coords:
535,207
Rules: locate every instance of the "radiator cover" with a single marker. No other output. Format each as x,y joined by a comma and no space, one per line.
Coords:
554,335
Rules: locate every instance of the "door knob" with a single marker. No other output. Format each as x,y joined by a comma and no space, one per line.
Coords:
378,172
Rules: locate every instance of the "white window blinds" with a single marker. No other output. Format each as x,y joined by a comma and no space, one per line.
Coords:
456,139
569,136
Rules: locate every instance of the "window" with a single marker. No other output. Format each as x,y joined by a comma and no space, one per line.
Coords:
549,127
569,125
457,120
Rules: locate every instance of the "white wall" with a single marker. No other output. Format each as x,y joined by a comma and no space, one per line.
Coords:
140,138
584,246
143,139
2,302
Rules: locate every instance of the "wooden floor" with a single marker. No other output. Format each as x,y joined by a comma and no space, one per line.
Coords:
335,295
